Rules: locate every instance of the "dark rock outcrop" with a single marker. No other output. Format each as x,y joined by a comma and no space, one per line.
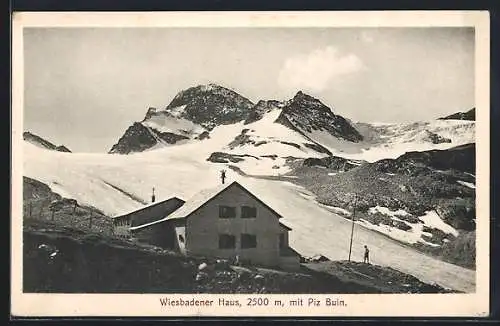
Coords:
63,148
43,143
469,115
333,163
435,138
135,139
221,157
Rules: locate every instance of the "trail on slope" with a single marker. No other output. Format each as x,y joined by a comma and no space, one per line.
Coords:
126,193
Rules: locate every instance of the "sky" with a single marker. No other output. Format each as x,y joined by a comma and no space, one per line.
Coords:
85,86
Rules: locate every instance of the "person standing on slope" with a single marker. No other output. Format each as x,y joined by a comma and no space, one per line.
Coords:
366,258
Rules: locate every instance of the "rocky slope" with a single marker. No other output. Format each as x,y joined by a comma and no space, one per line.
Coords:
423,198
469,115
43,143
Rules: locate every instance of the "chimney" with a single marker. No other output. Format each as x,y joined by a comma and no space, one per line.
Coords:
153,196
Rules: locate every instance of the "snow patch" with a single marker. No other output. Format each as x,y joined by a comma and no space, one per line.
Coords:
387,211
411,237
177,111
429,243
354,163
414,235
432,220
337,210
467,184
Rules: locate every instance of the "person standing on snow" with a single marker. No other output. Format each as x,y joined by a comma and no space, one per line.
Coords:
366,258
223,176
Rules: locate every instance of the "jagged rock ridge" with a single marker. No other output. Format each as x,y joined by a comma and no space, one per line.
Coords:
469,115
40,142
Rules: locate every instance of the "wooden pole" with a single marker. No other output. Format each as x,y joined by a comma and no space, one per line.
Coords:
352,228
30,208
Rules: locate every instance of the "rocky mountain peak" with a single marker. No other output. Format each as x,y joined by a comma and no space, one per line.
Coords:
300,95
308,114
210,105
305,100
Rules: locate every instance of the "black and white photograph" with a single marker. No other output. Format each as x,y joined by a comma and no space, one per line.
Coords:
250,161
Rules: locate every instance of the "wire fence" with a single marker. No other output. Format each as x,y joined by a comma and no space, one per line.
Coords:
67,213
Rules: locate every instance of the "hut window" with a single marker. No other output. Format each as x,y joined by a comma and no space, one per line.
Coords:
248,241
181,238
227,241
248,212
227,212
